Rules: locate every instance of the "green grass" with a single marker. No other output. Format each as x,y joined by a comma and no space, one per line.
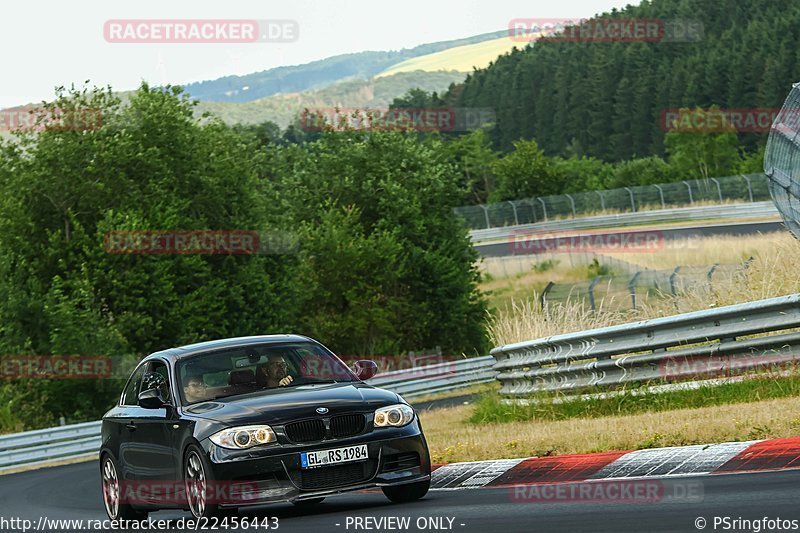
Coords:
490,410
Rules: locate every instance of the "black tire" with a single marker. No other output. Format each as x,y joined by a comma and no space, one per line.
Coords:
310,501
112,492
407,493
197,473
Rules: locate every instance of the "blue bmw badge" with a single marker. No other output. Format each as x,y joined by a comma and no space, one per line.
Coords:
322,410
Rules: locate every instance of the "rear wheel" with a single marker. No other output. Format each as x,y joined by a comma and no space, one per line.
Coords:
113,499
408,492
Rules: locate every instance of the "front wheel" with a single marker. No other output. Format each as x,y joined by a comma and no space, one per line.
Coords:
407,493
199,482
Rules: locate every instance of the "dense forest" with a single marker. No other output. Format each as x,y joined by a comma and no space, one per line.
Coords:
604,99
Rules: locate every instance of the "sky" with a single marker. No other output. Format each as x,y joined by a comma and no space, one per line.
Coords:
47,43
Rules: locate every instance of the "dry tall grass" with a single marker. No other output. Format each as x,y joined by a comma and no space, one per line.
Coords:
451,438
773,272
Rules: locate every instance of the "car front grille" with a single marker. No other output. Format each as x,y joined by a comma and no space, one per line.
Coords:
305,431
327,477
347,425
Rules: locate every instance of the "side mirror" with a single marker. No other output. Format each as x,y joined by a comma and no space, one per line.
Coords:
151,399
365,369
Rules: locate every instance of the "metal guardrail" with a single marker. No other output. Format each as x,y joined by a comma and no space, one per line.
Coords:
702,344
441,377
744,187
48,445
44,446
737,211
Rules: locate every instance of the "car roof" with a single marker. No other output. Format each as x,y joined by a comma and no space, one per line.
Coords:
182,352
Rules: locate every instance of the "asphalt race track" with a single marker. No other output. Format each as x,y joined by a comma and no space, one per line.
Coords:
73,491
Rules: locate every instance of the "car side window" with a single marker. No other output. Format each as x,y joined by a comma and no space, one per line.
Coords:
131,394
160,368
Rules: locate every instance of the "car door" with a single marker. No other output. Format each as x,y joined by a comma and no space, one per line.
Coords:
151,451
122,422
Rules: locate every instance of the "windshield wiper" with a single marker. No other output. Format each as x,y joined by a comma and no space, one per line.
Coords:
315,382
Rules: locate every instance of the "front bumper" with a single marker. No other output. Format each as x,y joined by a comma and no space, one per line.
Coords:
273,473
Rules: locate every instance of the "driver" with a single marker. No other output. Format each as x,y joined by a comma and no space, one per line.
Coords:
194,389
274,373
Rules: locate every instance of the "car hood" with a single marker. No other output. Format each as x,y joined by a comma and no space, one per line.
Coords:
284,405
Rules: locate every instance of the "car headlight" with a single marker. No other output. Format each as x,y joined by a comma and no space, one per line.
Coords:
393,416
243,437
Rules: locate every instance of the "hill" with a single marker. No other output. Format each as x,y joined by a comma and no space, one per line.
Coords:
461,58
605,99
378,92
319,74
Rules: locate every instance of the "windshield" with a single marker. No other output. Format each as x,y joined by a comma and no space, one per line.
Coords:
254,368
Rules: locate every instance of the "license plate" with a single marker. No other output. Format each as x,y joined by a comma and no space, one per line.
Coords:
333,457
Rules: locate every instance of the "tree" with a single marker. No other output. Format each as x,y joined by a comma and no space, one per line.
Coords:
386,264
697,150
525,173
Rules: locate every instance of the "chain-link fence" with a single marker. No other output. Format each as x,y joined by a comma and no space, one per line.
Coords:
741,188
613,291
782,161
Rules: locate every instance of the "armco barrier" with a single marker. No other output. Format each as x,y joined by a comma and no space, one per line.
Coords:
45,446
756,210
703,344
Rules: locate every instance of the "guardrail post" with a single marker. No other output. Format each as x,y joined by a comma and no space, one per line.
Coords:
661,194
591,292
632,288
633,202
602,200
543,296
672,278
572,202
544,207
691,200
749,187
486,215
514,207
719,189
711,271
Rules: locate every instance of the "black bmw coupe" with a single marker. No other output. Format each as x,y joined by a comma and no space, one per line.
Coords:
225,424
